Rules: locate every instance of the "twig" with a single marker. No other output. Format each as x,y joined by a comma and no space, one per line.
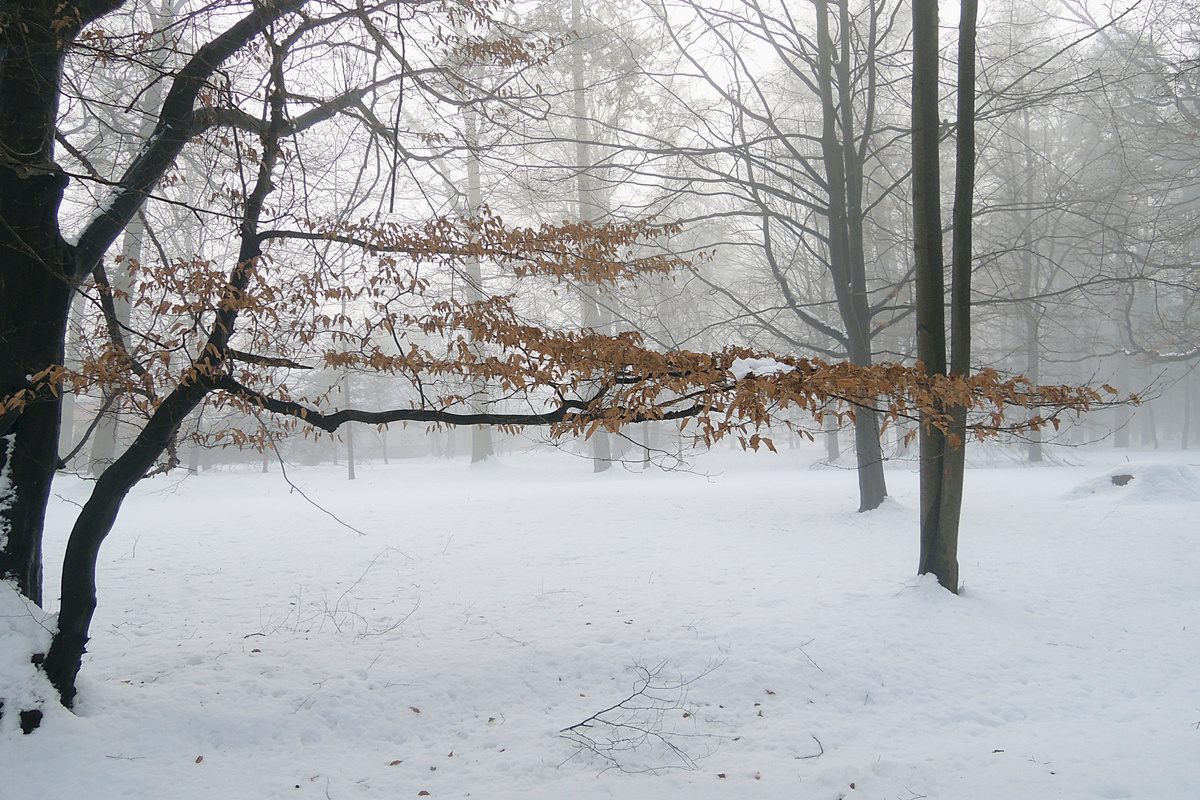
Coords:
814,755
636,730
297,489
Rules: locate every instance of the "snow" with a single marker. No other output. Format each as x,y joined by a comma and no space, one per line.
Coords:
246,645
1142,482
743,367
24,630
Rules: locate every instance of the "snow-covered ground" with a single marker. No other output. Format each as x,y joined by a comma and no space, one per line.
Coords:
249,646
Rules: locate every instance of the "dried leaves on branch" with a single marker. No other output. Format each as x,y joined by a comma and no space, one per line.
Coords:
293,294
386,309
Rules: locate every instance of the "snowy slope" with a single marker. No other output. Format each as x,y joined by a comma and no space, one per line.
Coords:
249,646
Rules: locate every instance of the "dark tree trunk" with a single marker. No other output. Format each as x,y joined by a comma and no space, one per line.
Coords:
38,273
943,454
93,524
96,519
31,340
944,563
930,281
35,281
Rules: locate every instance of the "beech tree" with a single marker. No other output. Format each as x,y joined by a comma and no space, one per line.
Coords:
943,447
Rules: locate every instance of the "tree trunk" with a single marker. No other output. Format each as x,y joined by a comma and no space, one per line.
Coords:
943,453
1029,285
1185,386
930,281
833,448
588,212
29,451
847,265
93,524
66,433
1149,426
98,514
1123,414
481,435
1033,353
35,283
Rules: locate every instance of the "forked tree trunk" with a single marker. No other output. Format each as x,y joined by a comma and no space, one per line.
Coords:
943,454
847,265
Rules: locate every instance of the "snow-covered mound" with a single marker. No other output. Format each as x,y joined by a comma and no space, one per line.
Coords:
1142,482
24,690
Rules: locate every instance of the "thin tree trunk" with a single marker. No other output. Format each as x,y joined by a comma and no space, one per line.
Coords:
1028,285
349,434
1185,430
1033,351
1149,426
847,266
481,435
66,433
833,449
1123,414
588,208
99,513
95,521
349,403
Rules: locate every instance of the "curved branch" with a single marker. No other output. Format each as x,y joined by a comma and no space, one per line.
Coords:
566,409
174,129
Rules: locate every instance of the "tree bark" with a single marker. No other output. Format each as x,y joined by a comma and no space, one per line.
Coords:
481,435
35,281
99,513
943,453
93,524
847,263
588,212
928,264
